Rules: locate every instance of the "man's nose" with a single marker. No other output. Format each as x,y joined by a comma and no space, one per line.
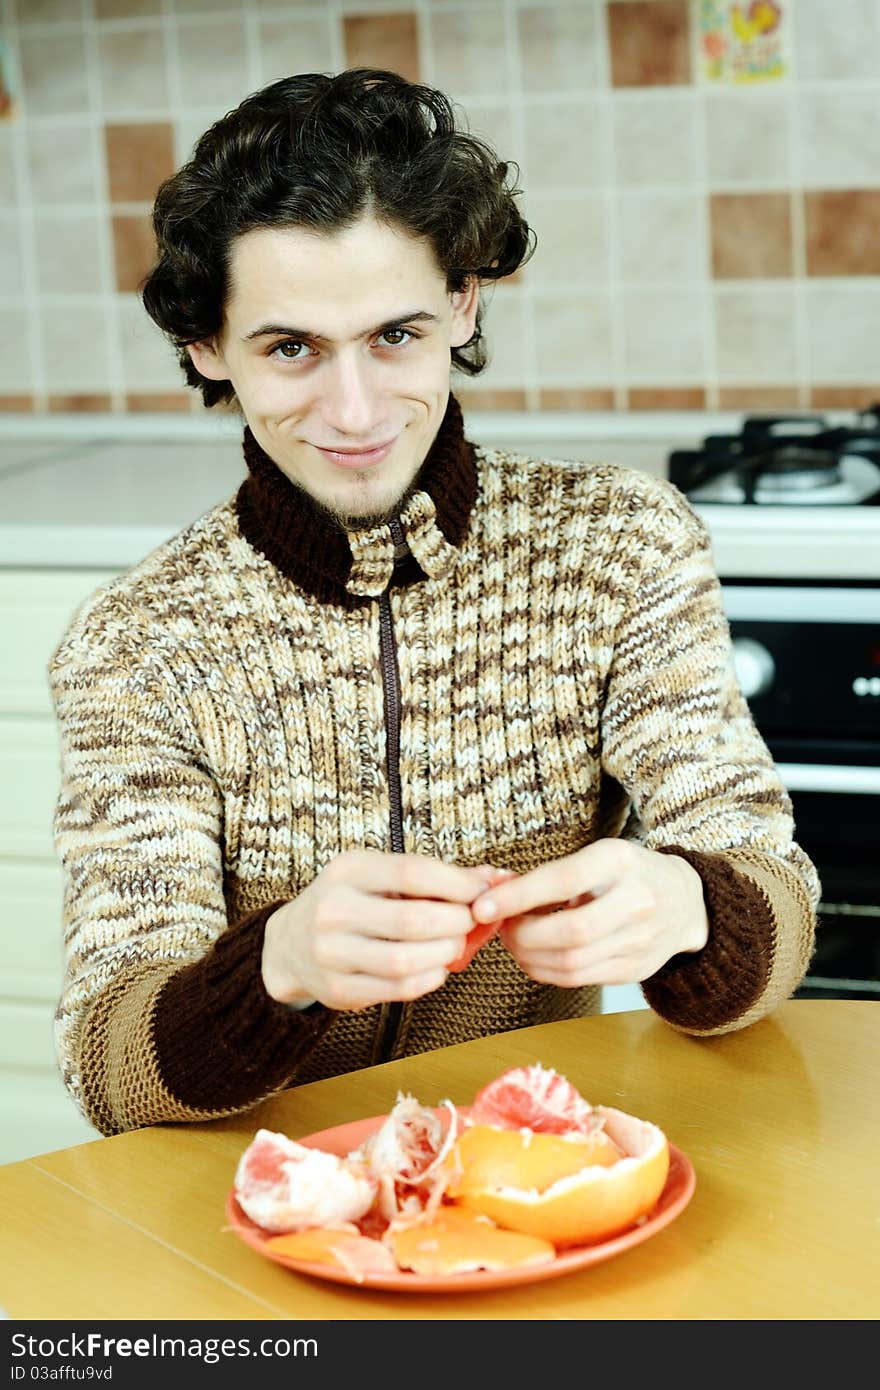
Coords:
350,401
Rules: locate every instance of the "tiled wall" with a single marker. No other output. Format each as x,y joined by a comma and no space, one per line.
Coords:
703,178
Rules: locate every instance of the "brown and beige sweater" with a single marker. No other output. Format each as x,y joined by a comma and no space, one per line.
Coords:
563,666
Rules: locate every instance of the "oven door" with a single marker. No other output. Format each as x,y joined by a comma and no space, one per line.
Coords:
808,661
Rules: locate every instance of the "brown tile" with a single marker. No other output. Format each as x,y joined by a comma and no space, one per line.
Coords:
751,235
475,399
758,397
666,398
16,405
134,251
160,401
139,157
843,232
576,398
80,404
650,43
383,41
844,397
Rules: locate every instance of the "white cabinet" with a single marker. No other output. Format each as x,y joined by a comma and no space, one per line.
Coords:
36,1113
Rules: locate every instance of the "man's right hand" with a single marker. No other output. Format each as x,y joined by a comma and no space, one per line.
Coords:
371,928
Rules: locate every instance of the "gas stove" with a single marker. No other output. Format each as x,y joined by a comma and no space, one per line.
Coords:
789,496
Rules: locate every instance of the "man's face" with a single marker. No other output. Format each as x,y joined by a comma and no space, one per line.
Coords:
336,345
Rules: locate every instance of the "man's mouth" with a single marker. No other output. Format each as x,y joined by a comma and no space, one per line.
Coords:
358,458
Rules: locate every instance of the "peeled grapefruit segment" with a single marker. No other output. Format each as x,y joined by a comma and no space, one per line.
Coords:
535,1098
589,1203
457,1241
358,1255
285,1186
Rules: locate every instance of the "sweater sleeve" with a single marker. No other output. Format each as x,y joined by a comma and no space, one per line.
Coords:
163,1014
678,735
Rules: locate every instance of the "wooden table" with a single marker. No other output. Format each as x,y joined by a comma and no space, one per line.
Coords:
780,1121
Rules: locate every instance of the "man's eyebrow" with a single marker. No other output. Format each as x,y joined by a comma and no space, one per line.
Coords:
283,330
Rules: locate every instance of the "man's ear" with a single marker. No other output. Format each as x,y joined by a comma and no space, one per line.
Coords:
465,304
207,358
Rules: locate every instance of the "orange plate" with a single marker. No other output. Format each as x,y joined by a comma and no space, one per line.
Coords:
343,1138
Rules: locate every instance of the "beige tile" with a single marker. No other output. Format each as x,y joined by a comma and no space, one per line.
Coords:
838,134
160,402
505,334
389,41
751,235
46,11
573,339
210,58
185,7
75,356
127,9
80,403
572,240
836,40
493,122
649,42
63,162
560,47
843,344
655,139
15,357
54,78
576,398
8,176
661,236
565,145
139,157
843,232
843,397
664,337
68,251
748,136
755,334
666,398
470,50
134,251
293,45
133,73
759,398
149,361
11,259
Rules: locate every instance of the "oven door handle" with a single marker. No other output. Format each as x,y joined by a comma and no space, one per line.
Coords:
827,777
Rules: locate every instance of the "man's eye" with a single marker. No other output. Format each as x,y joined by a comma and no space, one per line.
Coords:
401,335
291,350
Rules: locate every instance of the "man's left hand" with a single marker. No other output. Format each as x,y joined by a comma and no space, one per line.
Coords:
611,913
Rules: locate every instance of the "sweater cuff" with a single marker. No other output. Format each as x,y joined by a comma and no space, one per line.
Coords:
222,1042
713,987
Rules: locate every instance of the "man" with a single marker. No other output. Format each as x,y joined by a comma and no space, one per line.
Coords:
399,686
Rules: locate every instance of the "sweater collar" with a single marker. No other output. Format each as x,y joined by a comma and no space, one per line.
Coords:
285,525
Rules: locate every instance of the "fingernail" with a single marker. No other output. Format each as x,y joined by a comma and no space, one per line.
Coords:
486,909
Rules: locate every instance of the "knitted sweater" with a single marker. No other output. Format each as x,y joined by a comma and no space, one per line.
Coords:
547,665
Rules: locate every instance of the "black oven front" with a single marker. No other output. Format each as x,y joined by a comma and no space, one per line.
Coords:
808,660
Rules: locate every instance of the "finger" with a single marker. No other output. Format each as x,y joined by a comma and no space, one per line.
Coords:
407,919
352,992
409,875
548,886
384,960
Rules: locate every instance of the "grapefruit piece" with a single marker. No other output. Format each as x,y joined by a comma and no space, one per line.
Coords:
476,937
285,1186
457,1241
535,1098
358,1255
590,1203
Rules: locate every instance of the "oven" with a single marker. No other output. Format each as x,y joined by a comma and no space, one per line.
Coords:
799,565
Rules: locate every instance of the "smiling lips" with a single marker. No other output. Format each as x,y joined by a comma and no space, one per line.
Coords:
358,458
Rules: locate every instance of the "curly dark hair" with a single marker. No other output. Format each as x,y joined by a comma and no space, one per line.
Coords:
321,151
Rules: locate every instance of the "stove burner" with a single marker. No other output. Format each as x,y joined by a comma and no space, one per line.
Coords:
785,461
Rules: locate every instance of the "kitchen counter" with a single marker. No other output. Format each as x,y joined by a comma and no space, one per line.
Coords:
102,492
780,1121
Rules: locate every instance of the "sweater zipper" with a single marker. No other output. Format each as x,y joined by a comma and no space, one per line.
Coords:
390,1013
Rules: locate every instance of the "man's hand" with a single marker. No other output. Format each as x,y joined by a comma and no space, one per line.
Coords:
612,913
371,928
